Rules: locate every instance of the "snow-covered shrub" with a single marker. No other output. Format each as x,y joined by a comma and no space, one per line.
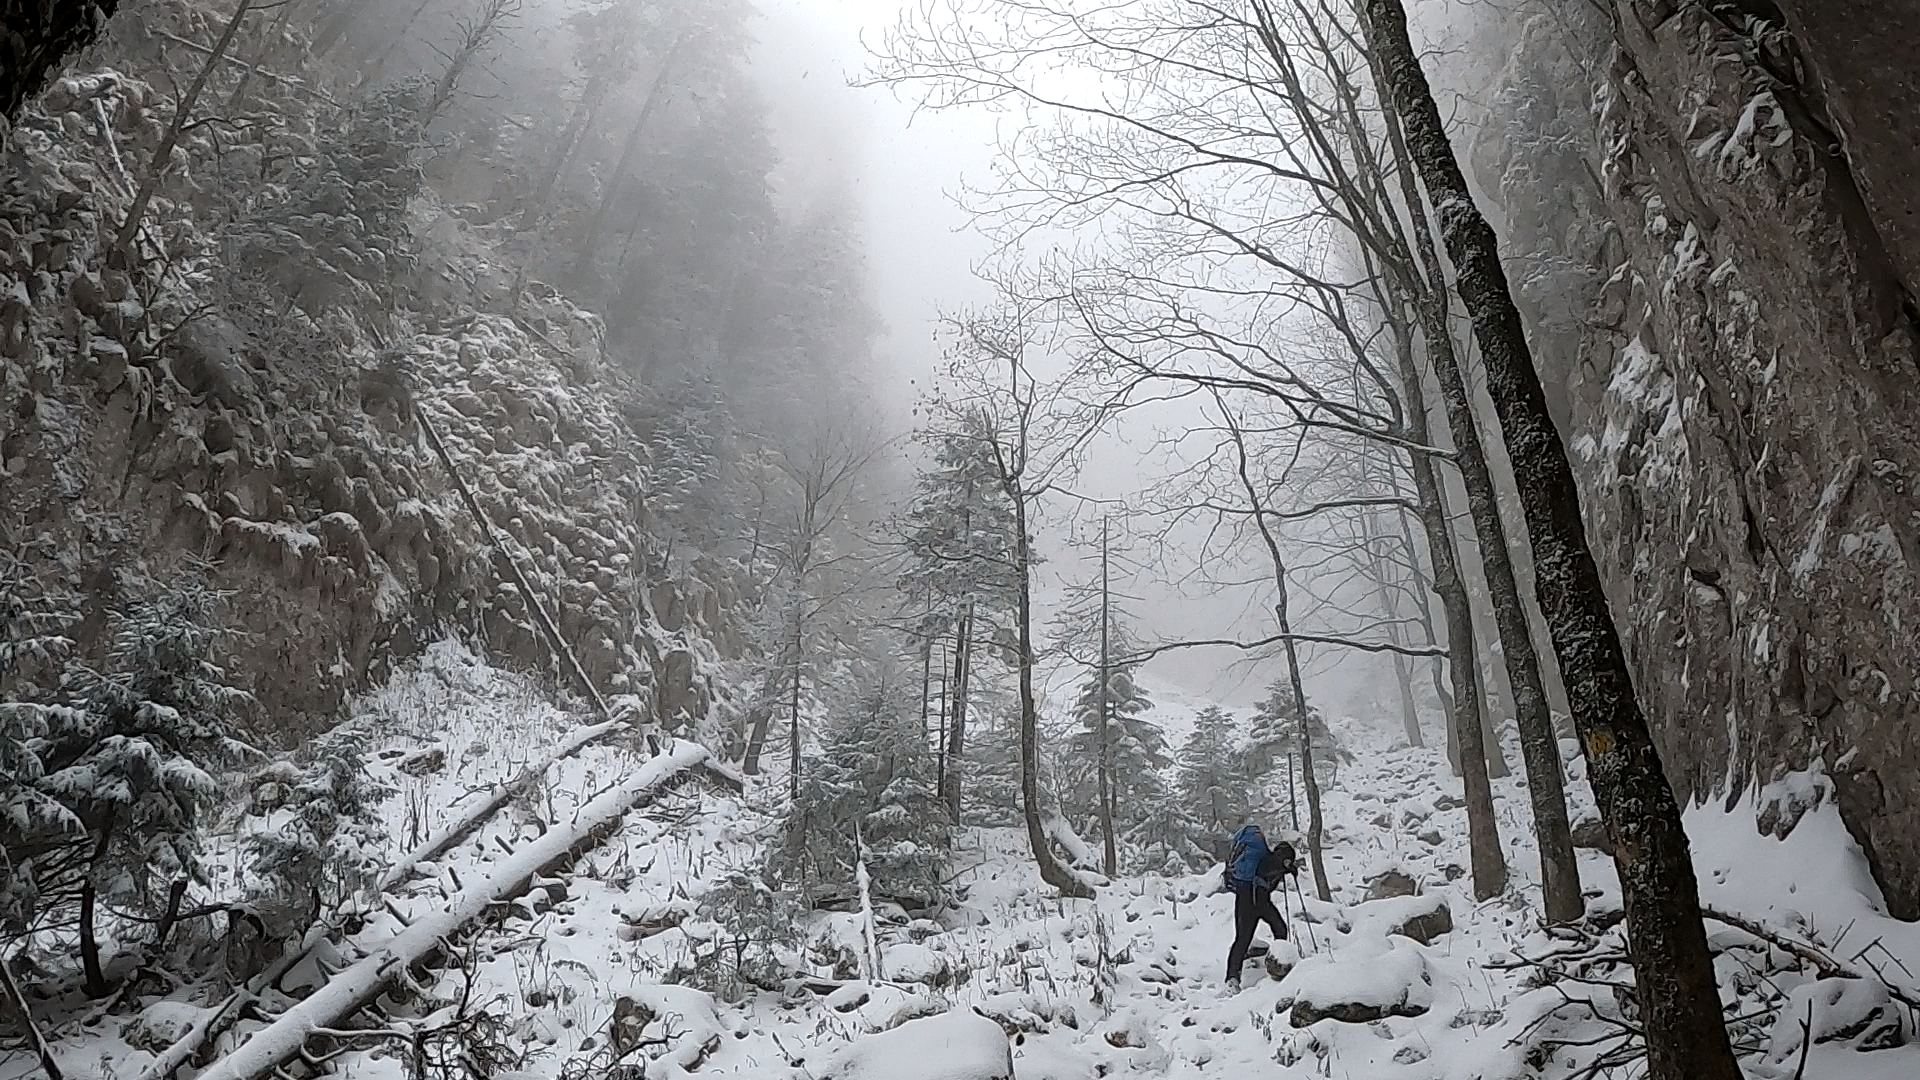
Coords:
316,834
755,949
868,795
31,622
334,229
131,761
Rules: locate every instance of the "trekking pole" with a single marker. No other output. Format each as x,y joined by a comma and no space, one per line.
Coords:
1304,916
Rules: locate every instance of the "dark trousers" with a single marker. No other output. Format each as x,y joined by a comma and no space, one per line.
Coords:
1252,906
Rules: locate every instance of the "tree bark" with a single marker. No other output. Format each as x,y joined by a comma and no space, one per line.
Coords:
1390,607
1316,826
96,978
616,180
1466,735
1546,780
793,708
1673,970
1108,856
957,709
1052,870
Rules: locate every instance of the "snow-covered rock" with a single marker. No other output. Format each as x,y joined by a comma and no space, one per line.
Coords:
1421,918
1361,985
952,1046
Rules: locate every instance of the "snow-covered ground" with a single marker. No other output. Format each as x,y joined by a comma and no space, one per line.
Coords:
602,965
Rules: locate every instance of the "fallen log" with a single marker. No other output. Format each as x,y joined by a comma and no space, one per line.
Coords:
496,798
356,986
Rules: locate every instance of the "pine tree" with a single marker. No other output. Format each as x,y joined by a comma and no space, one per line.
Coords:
31,823
1136,752
1211,774
134,767
317,837
869,794
334,230
1274,743
959,576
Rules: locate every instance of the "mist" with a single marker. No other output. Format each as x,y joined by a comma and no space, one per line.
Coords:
885,539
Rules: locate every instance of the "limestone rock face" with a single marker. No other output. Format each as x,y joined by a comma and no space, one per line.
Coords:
286,455
1741,404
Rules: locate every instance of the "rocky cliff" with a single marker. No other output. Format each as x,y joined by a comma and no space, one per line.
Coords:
143,426
1731,209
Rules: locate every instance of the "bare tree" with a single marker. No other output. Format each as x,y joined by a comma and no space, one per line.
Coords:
1673,970
183,107
1001,403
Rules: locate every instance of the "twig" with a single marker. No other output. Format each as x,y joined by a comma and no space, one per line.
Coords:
1806,1042
19,1000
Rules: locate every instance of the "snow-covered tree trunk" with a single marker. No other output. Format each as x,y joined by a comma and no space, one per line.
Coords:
1673,971
1466,734
352,989
1052,871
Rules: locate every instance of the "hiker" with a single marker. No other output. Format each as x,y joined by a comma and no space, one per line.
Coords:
1254,870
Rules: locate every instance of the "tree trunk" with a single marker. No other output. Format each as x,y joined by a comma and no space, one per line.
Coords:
1108,857
1316,827
1389,591
1673,971
590,241
957,708
926,690
793,711
1546,781
96,978
1052,870
1466,735
163,154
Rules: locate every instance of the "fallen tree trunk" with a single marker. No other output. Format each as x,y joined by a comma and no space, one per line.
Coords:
354,988
496,798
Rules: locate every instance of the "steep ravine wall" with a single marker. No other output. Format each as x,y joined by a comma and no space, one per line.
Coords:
138,431
1730,220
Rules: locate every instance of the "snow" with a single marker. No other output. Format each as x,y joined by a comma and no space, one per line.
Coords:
1388,974
326,1006
1130,983
954,1046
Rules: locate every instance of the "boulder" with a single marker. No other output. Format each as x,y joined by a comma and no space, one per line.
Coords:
1361,989
951,1046
1417,918
1390,883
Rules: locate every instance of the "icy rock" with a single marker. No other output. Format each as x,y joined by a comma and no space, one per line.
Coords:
422,762
1360,989
909,963
951,1046
1391,883
849,997
1281,959
1444,801
1858,1013
1027,1014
